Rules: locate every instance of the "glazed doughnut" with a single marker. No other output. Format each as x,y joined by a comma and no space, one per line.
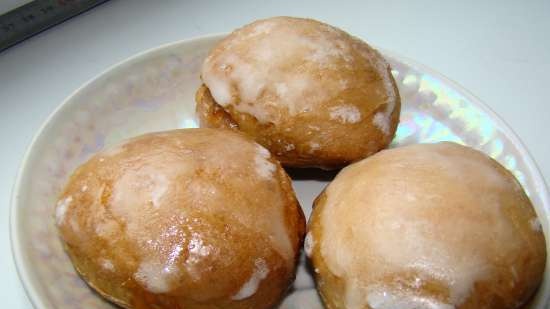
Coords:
194,218
430,226
309,92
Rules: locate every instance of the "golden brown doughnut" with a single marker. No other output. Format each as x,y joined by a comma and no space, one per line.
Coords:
194,219
309,92
429,226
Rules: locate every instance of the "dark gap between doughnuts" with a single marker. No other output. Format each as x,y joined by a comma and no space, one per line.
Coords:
311,173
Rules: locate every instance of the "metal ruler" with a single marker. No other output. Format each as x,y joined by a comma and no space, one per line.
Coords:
36,16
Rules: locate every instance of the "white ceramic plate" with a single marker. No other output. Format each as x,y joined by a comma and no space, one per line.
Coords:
154,91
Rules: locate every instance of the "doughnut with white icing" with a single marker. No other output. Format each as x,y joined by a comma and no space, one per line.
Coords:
309,92
428,226
194,218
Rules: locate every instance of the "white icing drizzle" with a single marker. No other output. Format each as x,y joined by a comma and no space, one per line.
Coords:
242,76
155,276
158,272
345,113
264,168
384,299
159,186
197,250
289,147
381,121
196,247
219,89
281,89
250,287
61,209
308,244
107,264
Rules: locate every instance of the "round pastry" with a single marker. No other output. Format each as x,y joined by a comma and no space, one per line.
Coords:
167,220
431,226
310,93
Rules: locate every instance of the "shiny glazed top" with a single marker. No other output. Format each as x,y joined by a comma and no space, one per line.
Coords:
437,226
306,90
173,213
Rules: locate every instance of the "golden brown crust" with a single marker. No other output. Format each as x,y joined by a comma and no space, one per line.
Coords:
210,114
326,100
348,148
501,249
167,220
331,288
